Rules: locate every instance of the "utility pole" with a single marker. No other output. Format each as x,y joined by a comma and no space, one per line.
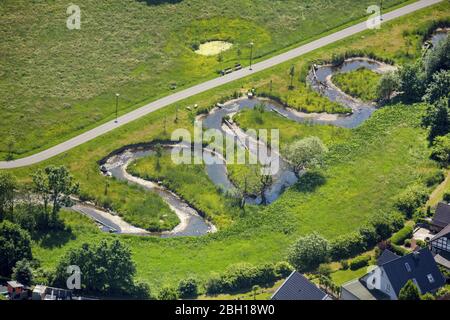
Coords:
251,54
117,106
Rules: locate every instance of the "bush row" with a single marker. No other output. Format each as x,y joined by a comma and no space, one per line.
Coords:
359,262
366,237
244,276
400,236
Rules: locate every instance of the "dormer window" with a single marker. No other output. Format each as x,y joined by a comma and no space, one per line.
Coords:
430,278
408,267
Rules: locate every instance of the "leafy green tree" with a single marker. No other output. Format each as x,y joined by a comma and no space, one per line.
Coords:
411,199
188,288
438,58
441,150
106,267
291,75
437,118
55,185
438,88
409,292
309,252
388,84
8,186
305,154
412,82
22,272
167,293
15,245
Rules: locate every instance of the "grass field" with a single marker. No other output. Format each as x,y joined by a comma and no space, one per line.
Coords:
61,82
364,173
361,83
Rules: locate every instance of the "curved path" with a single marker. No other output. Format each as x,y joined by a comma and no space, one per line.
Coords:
181,95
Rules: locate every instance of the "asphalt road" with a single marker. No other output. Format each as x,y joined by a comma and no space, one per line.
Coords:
181,95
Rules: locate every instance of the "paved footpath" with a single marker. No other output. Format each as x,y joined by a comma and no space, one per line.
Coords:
181,95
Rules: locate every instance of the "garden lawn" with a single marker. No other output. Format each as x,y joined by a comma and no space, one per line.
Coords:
361,83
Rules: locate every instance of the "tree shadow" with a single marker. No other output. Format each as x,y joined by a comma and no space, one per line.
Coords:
310,181
53,238
159,2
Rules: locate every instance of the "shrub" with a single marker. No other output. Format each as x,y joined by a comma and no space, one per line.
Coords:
347,246
167,293
188,288
408,243
309,252
447,196
435,177
411,199
283,269
403,234
421,243
398,250
387,223
359,262
344,264
242,276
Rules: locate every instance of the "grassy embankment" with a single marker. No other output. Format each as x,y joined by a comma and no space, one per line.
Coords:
61,82
377,161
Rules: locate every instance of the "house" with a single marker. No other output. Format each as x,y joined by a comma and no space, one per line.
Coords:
57,294
441,217
298,287
39,292
16,290
440,246
386,280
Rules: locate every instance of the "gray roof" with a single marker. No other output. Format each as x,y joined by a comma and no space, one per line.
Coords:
421,264
443,261
442,215
386,256
360,291
442,233
15,284
297,287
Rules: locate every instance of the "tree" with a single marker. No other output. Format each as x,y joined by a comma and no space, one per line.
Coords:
412,82
106,267
438,58
291,75
15,245
167,293
437,118
409,292
441,150
188,288
56,185
8,185
388,84
439,87
411,199
306,154
22,272
308,252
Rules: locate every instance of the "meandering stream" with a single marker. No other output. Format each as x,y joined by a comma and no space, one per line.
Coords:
191,222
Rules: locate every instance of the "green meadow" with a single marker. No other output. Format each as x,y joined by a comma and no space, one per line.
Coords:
61,82
365,168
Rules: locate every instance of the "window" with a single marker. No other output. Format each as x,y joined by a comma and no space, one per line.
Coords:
408,267
430,278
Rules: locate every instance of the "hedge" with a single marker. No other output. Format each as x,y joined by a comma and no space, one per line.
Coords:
359,262
403,234
244,276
